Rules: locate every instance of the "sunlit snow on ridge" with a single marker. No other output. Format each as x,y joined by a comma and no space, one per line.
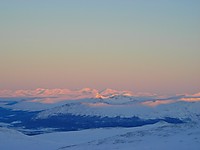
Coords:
51,96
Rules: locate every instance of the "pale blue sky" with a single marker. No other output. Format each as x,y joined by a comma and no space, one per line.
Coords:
139,45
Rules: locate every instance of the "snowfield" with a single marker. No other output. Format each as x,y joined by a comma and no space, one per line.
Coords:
158,136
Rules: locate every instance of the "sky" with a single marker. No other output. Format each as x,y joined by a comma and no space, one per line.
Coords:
137,45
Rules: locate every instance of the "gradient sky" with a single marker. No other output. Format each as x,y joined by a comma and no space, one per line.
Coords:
137,45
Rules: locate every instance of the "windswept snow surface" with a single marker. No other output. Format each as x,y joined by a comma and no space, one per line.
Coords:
158,136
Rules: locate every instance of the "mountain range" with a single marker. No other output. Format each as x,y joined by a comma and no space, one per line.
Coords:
132,119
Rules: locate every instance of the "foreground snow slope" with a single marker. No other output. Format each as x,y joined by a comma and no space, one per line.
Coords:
158,136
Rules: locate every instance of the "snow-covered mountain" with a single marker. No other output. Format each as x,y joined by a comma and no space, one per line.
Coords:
111,103
149,117
57,95
128,107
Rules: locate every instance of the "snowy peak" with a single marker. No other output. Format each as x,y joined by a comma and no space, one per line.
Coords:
71,94
41,92
57,95
107,93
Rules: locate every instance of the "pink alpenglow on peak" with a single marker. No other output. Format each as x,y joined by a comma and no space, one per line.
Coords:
39,92
52,95
191,98
6,93
197,94
56,95
110,92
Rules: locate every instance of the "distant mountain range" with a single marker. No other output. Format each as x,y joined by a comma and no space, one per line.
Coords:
70,94
67,94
